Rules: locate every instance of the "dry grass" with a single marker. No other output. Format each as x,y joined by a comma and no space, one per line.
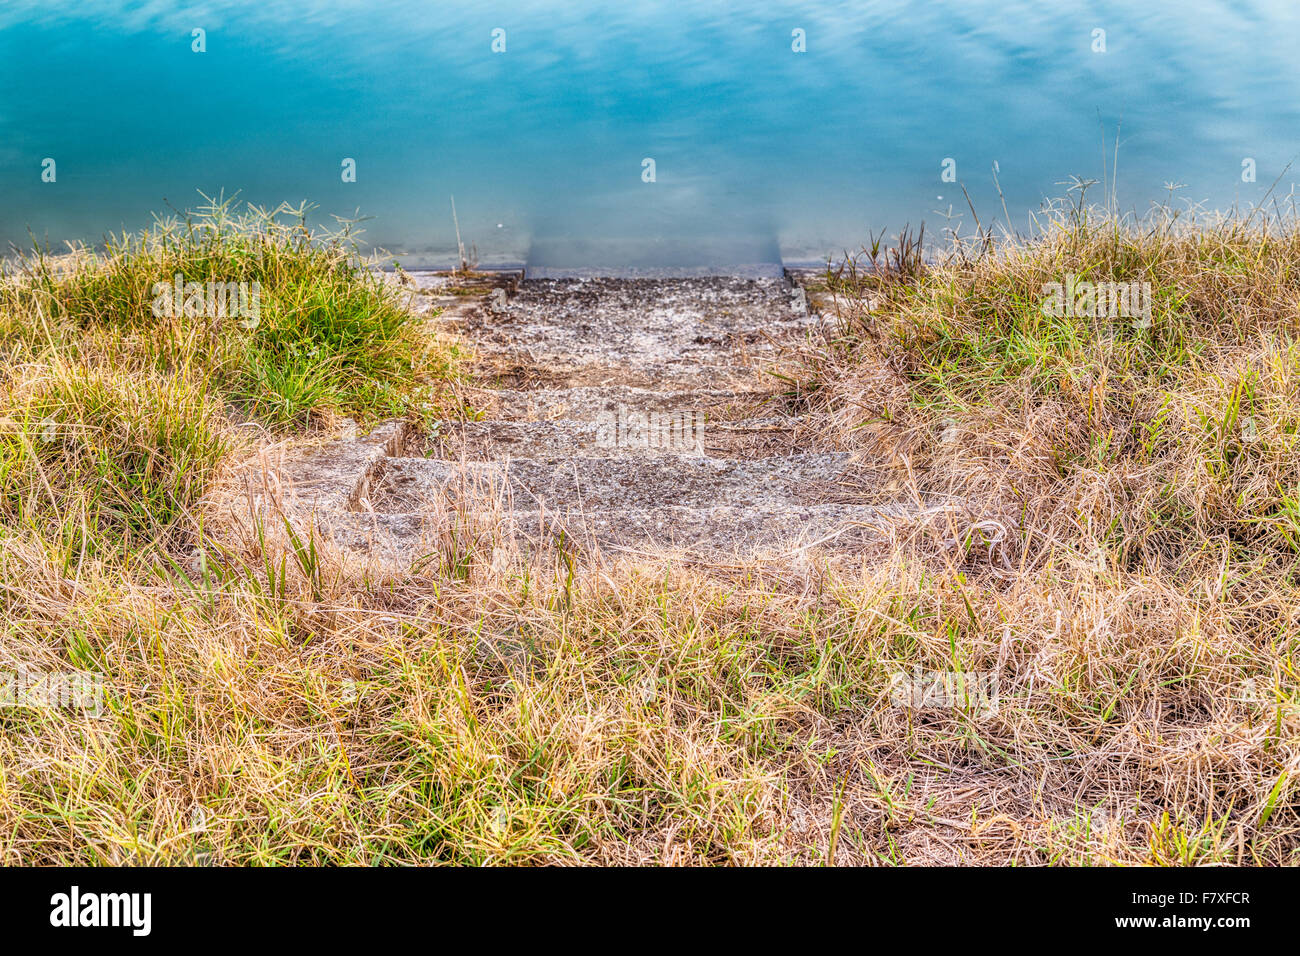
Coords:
1121,495
316,710
1099,535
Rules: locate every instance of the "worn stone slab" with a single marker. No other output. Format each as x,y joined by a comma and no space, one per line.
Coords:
620,433
627,416
715,533
411,484
710,333
588,403
336,476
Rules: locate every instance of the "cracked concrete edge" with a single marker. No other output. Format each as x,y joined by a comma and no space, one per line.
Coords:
818,298
339,476
447,298
411,539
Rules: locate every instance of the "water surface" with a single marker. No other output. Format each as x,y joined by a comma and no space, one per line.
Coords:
760,152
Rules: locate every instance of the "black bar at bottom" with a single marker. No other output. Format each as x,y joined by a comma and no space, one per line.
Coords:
336,906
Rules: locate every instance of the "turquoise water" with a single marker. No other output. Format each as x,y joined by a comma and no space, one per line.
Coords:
760,152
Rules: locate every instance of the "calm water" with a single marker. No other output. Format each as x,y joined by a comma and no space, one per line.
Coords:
760,152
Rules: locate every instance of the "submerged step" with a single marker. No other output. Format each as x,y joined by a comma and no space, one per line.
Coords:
586,483
756,256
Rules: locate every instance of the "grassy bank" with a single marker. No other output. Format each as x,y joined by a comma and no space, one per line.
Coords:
1101,532
119,401
1116,497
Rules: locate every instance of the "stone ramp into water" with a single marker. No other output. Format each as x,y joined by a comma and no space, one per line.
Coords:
616,416
679,334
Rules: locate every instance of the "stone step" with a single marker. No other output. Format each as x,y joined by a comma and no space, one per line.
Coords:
592,484
591,403
718,532
694,330
454,285
446,298
619,433
519,370
714,333
628,416
586,311
656,256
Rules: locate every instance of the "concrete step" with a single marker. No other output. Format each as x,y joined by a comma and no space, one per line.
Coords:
614,416
660,256
718,532
590,484
714,332
594,402
620,433
527,370
590,314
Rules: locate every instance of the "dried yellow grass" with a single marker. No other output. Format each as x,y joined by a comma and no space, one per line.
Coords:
1096,532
